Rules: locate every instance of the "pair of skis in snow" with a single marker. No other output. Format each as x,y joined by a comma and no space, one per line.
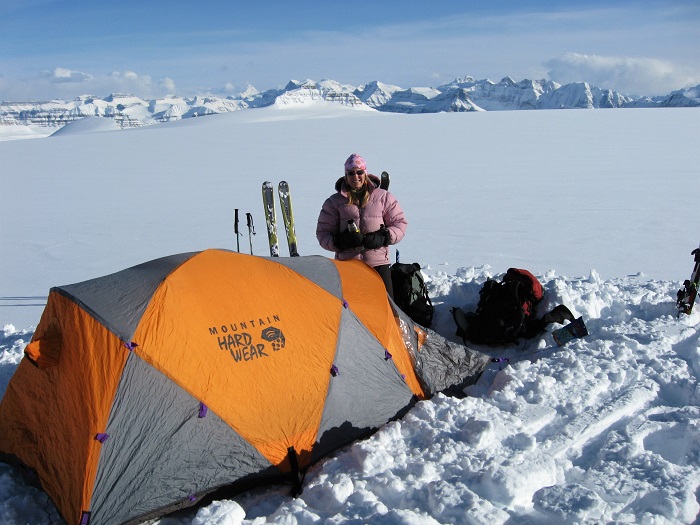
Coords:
285,199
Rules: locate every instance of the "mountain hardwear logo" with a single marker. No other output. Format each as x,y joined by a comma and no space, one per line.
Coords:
275,336
243,347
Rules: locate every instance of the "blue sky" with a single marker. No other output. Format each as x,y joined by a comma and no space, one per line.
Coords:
65,48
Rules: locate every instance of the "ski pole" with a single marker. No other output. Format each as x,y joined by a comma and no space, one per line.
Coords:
235,230
251,230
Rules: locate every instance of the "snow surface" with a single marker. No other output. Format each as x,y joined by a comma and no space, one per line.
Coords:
600,205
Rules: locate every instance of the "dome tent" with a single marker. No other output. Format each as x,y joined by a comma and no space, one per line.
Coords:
143,391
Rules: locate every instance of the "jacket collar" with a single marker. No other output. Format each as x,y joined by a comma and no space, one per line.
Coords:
342,187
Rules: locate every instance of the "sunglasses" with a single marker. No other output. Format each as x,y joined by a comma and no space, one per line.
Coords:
355,172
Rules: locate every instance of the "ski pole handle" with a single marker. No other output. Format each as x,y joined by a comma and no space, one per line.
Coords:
251,230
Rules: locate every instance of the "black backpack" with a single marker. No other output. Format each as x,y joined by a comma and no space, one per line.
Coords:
507,311
411,294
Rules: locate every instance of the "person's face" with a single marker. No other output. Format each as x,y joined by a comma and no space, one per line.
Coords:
355,178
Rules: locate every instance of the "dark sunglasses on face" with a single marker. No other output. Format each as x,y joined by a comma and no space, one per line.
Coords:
355,172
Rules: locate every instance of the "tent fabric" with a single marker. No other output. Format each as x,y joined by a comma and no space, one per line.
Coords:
442,365
118,300
145,390
207,449
49,418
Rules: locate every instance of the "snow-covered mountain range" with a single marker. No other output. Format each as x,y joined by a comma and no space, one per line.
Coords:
462,94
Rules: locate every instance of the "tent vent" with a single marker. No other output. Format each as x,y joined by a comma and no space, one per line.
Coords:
345,304
101,437
131,346
387,355
202,410
334,371
85,518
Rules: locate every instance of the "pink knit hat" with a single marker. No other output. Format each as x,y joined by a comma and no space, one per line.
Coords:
355,162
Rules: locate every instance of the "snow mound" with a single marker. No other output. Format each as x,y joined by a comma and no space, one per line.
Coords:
88,125
17,132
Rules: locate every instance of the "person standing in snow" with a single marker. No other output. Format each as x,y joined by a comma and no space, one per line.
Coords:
360,220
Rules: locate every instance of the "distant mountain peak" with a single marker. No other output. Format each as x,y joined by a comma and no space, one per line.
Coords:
462,94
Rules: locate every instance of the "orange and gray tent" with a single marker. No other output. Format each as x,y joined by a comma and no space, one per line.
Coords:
144,391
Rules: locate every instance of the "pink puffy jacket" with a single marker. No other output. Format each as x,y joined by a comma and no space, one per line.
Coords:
381,208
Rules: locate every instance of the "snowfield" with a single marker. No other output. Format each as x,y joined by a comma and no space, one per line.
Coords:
600,204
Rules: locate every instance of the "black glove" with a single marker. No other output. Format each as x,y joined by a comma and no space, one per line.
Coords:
347,239
374,240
